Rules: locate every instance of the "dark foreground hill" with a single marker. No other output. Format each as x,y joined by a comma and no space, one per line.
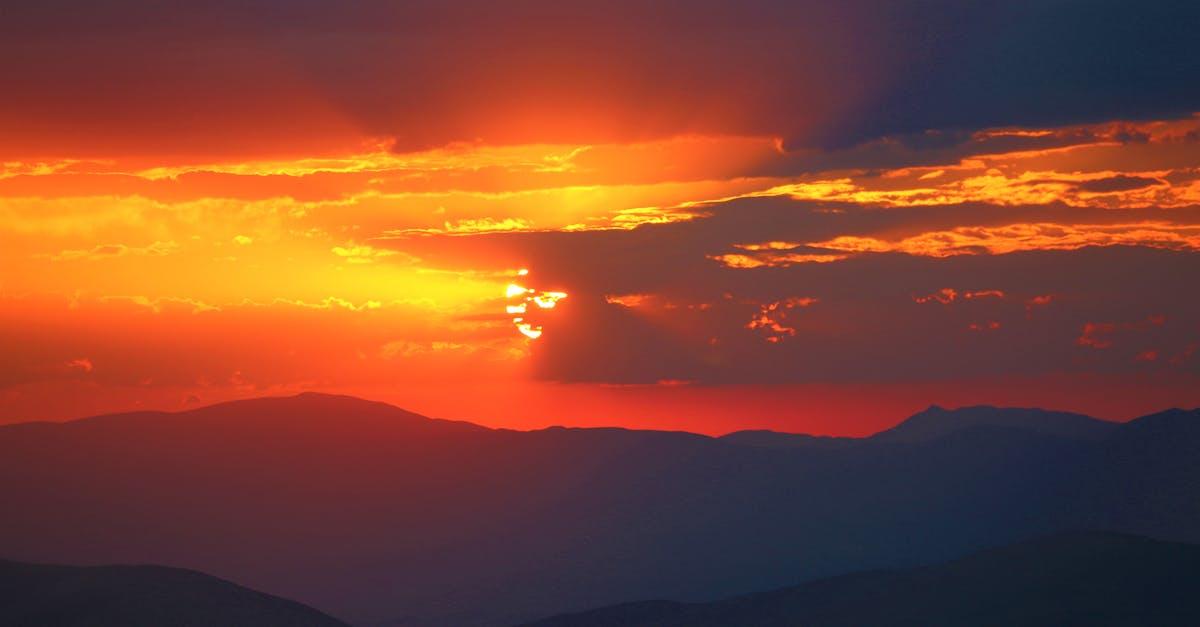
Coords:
39,595
1081,578
383,517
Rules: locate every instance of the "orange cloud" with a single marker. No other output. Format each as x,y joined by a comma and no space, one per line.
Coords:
773,260
948,295
944,296
1099,335
104,251
81,364
311,253
1150,355
1023,237
627,300
361,253
770,317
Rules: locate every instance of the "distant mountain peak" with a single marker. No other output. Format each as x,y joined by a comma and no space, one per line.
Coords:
937,421
1174,413
306,410
1168,421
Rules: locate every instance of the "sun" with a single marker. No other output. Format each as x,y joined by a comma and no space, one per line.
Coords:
520,298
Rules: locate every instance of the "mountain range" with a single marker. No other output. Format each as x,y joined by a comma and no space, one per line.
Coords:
383,517
42,595
1068,578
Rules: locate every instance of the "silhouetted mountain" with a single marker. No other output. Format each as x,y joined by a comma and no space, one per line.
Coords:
1081,578
936,422
1147,480
381,516
40,595
775,439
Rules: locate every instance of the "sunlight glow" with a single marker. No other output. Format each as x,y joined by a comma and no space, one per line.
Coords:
514,290
523,296
547,300
529,330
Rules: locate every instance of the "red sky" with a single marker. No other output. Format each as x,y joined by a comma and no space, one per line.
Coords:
776,216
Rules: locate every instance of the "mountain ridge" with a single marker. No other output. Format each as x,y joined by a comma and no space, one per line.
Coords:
141,595
930,422
1066,578
424,523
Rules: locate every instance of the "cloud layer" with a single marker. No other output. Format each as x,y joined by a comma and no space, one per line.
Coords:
137,77
980,202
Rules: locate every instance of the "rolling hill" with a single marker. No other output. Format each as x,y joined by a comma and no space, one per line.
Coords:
382,517
1076,578
40,595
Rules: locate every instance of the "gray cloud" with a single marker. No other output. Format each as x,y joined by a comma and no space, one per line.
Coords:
866,324
822,75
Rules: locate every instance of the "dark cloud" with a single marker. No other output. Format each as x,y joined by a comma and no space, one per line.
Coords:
266,76
1118,183
973,65
597,341
673,257
865,323
926,148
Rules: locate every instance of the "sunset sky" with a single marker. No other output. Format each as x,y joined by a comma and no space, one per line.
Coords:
804,216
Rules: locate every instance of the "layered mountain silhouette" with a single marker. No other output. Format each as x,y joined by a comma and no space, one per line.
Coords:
382,517
937,422
40,595
1079,578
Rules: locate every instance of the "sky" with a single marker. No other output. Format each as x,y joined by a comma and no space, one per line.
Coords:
706,216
